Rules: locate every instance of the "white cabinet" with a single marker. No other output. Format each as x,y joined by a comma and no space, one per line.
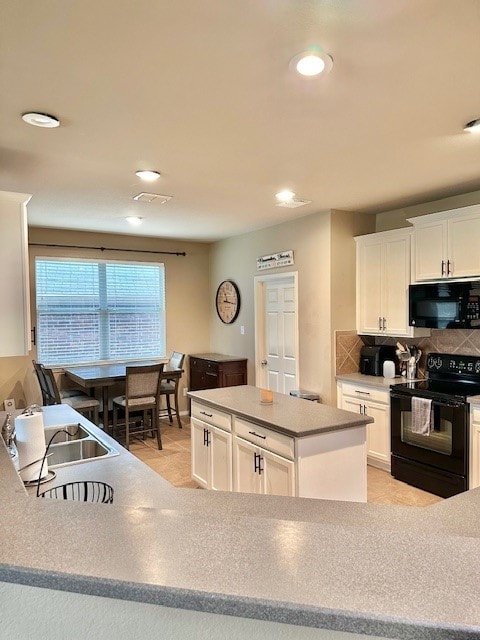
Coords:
383,276
446,244
258,469
329,465
14,283
211,448
367,400
474,462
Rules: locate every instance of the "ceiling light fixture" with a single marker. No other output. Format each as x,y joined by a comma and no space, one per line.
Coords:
148,175
41,119
473,126
285,196
135,221
312,63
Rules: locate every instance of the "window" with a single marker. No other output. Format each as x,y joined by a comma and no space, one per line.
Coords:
89,311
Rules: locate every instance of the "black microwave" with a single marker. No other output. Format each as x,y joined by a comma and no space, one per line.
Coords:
445,305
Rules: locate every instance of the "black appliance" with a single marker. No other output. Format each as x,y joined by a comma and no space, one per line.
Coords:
445,305
373,357
437,462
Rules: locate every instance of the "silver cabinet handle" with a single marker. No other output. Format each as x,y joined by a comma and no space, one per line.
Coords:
363,393
384,324
379,323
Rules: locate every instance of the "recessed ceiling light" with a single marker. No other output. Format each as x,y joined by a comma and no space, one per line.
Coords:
473,126
41,119
285,196
135,221
148,176
312,63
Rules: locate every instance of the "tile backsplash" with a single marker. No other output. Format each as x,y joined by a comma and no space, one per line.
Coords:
348,345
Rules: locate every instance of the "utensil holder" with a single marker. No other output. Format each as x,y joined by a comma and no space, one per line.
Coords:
411,371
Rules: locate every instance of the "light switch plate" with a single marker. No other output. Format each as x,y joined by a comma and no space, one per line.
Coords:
9,405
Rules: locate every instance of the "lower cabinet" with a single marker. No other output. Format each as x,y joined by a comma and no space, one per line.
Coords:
474,462
231,453
212,451
260,471
375,403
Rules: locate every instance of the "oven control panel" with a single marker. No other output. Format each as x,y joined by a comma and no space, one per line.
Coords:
453,363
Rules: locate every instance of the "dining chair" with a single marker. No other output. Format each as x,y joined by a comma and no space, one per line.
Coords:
44,388
82,403
169,387
142,393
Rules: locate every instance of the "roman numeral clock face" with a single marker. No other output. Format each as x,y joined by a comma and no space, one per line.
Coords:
228,301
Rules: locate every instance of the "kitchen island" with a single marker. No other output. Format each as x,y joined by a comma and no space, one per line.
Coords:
177,563
290,446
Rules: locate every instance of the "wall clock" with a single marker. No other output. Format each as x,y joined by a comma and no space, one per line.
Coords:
227,301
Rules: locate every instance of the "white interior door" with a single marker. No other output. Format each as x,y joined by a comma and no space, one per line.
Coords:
277,342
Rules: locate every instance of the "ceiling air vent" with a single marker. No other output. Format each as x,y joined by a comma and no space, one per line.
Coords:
151,197
293,204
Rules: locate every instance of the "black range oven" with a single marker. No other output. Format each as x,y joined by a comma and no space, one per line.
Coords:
436,461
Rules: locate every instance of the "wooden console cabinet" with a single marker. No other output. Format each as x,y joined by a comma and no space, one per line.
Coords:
213,370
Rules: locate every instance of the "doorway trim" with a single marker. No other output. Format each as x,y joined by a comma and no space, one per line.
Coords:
259,300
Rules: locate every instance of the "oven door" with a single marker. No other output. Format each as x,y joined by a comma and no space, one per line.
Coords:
446,447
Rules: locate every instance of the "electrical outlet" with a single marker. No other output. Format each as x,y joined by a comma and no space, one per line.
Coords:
185,391
9,405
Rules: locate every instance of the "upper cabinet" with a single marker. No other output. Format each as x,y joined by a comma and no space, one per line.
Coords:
14,284
383,276
445,245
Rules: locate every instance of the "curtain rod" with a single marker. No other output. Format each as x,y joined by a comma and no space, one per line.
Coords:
75,246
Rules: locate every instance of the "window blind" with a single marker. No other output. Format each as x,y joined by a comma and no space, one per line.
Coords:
90,311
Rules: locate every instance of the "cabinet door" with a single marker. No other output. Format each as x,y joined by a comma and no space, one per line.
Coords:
220,448
474,475
463,253
14,284
430,250
246,479
278,475
378,434
199,453
351,404
395,286
369,286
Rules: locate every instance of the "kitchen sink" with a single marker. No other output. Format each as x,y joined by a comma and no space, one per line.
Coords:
66,433
77,445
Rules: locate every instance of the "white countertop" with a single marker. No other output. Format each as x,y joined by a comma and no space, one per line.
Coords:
397,572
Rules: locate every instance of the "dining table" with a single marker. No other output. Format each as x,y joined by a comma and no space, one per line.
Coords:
106,375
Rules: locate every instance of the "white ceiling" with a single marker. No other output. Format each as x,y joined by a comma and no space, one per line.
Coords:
201,91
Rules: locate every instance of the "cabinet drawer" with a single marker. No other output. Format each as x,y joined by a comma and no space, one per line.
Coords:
366,393
211,416
271,440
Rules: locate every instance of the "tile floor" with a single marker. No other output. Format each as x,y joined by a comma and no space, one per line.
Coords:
173,463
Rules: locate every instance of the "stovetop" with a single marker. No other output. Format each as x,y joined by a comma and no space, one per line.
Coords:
439,389
450,376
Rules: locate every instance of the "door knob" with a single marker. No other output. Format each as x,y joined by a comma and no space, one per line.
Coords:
264,363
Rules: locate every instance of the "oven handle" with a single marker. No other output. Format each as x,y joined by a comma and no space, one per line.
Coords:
437,403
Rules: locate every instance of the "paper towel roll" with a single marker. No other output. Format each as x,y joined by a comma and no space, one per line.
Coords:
30,437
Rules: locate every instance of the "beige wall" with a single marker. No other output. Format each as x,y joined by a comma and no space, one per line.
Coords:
397,218
187,295
324,253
